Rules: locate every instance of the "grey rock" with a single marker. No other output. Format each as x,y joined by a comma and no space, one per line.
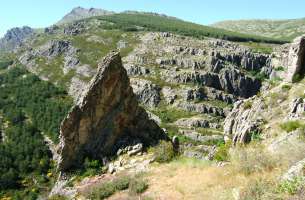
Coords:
199,137
15,37
193,122
135,70
296,59
107,111
76,88
135,149
200,108
296,171
55,48
243,120
169,95
147,92
121,44
75,28
82,13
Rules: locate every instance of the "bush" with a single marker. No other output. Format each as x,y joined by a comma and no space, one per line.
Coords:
138,186
292,186
121,183
248,105
280,68
164,152
291,125
104,191
57,197
222,153
286,88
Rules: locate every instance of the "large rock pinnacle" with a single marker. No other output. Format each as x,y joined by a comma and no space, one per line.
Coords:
296,60
107,112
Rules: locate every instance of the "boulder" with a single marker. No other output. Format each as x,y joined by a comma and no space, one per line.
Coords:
106,112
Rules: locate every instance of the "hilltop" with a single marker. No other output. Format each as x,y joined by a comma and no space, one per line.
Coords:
278,29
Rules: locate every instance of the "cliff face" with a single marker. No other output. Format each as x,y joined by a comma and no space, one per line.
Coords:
106,112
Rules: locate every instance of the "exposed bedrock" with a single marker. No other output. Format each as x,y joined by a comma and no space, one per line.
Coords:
106,112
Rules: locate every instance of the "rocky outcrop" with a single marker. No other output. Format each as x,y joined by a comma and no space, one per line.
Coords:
57,47
15,38
106,112
296,60
229,80
135,70
290,58
82,13
147,92
200,108
169,95
296,171
75,28
196,122
244,120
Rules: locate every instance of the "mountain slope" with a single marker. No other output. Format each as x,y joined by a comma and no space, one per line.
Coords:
159,23
82,13
279,29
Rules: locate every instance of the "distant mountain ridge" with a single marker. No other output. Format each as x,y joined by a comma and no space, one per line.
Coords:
278,29
82,13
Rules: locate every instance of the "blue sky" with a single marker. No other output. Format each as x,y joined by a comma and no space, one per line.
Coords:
42,13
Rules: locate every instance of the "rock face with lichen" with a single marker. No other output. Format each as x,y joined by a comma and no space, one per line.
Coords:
106,112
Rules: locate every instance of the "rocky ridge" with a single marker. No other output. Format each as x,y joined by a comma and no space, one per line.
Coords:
15,37
82,13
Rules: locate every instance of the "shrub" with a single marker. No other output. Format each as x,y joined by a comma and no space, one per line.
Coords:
223,152
137,186
292,186
121,183
164,152
104,191
280,68
248,105
286,88
57,197
291,125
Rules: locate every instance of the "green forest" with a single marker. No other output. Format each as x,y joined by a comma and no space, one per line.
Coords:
29,108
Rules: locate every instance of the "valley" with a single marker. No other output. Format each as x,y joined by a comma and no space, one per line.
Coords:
138,105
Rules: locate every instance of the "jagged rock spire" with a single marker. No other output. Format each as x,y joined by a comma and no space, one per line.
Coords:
107,111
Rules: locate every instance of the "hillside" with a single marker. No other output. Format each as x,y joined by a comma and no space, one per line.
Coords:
160,23
278,29
183,111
